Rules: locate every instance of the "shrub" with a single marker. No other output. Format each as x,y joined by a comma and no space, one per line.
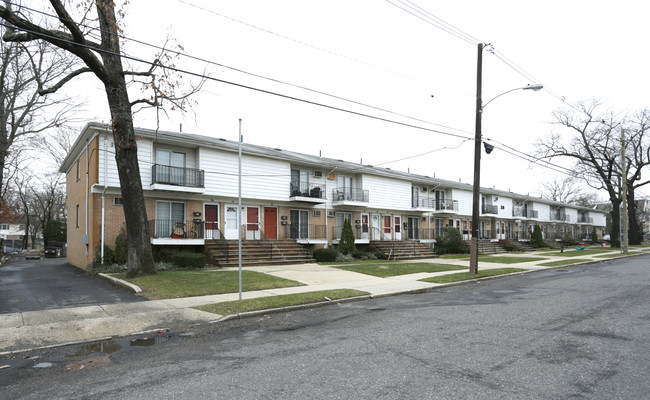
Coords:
346,244
108,255
567,240
186,259
450,242
380,255
325,255
536,239
594,236
363,255
121,253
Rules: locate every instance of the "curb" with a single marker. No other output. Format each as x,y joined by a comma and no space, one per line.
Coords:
120,282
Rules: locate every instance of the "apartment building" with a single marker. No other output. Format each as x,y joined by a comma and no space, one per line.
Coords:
190,185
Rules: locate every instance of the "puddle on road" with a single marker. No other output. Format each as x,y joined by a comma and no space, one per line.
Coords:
149,341
101,347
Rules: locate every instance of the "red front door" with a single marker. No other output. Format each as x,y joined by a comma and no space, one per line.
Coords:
211,221
271,222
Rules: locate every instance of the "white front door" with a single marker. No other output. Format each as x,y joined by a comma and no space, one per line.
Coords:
376,227
232,230
398,227
365,227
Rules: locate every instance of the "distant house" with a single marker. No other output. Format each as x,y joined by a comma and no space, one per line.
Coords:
11,236
190,185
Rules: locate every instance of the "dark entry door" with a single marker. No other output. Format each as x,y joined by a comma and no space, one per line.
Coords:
271,222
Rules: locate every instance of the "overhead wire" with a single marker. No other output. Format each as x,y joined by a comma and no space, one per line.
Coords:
527,158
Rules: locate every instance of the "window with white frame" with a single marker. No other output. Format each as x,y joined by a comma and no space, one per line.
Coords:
4,227
170,218
170,167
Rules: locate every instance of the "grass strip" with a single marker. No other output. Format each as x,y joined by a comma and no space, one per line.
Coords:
558,263
384,270
464,276
630,253
175,284
509,260
577,253
266,303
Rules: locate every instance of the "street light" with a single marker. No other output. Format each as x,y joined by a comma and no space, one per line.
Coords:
473,251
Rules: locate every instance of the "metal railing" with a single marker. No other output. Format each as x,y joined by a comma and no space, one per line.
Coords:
169,175
532,214
306,189
583,219
489,209
302,231
345,194
447,204
336,232
176,229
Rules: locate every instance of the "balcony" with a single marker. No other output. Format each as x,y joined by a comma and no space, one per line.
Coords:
350,197
532,214
307,192
556,216
489,209
165,177
166,231
304,233
583,219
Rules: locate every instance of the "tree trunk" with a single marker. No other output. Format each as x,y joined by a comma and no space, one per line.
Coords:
615,231
633,220
140,258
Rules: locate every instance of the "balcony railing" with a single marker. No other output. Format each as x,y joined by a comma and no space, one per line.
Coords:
302,231
306,189
178,176
582,219
355,195
336,232
489,209
446,205
177,229
532,214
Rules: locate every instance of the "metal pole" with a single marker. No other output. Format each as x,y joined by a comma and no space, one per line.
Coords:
239,210
624,217
473,251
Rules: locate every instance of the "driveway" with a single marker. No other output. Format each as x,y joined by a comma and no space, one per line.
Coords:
50,283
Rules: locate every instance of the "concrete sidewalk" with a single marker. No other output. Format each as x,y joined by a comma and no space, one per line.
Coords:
36,329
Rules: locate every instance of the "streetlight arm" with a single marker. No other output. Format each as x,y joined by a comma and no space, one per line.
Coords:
535,87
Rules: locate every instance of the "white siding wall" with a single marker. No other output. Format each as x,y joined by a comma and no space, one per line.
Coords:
599,219
543,211
387,193
464,198
573,214
107,153
262,178
506,203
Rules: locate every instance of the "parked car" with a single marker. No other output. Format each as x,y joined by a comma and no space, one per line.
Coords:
51,252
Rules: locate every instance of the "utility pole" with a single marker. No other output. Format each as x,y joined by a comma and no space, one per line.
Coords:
624,217
473,251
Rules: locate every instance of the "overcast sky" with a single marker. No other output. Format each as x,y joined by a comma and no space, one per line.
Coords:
375,53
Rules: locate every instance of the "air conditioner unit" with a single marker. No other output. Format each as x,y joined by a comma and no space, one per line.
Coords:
316,213
424,189
318,174
331,213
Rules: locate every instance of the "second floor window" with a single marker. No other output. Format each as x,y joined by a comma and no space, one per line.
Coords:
172,168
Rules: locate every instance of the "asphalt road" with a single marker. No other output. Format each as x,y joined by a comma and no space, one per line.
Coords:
29,285
580,332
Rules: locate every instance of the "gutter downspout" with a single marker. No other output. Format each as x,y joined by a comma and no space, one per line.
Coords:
103,204
87,183
326,209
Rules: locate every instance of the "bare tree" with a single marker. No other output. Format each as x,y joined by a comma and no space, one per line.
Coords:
567,190
56,144
24,69
103,58
47,200
594,145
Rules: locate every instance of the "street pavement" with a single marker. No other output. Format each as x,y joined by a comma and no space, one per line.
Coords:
31,329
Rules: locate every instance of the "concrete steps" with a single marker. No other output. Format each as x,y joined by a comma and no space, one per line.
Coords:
257,252
403,249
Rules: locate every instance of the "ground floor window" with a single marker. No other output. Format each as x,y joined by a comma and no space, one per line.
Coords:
170,219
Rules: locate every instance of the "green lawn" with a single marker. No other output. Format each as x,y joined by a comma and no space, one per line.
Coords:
572,252
463,276
630,253
384,270
175,284
509,260
265,303
558,263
